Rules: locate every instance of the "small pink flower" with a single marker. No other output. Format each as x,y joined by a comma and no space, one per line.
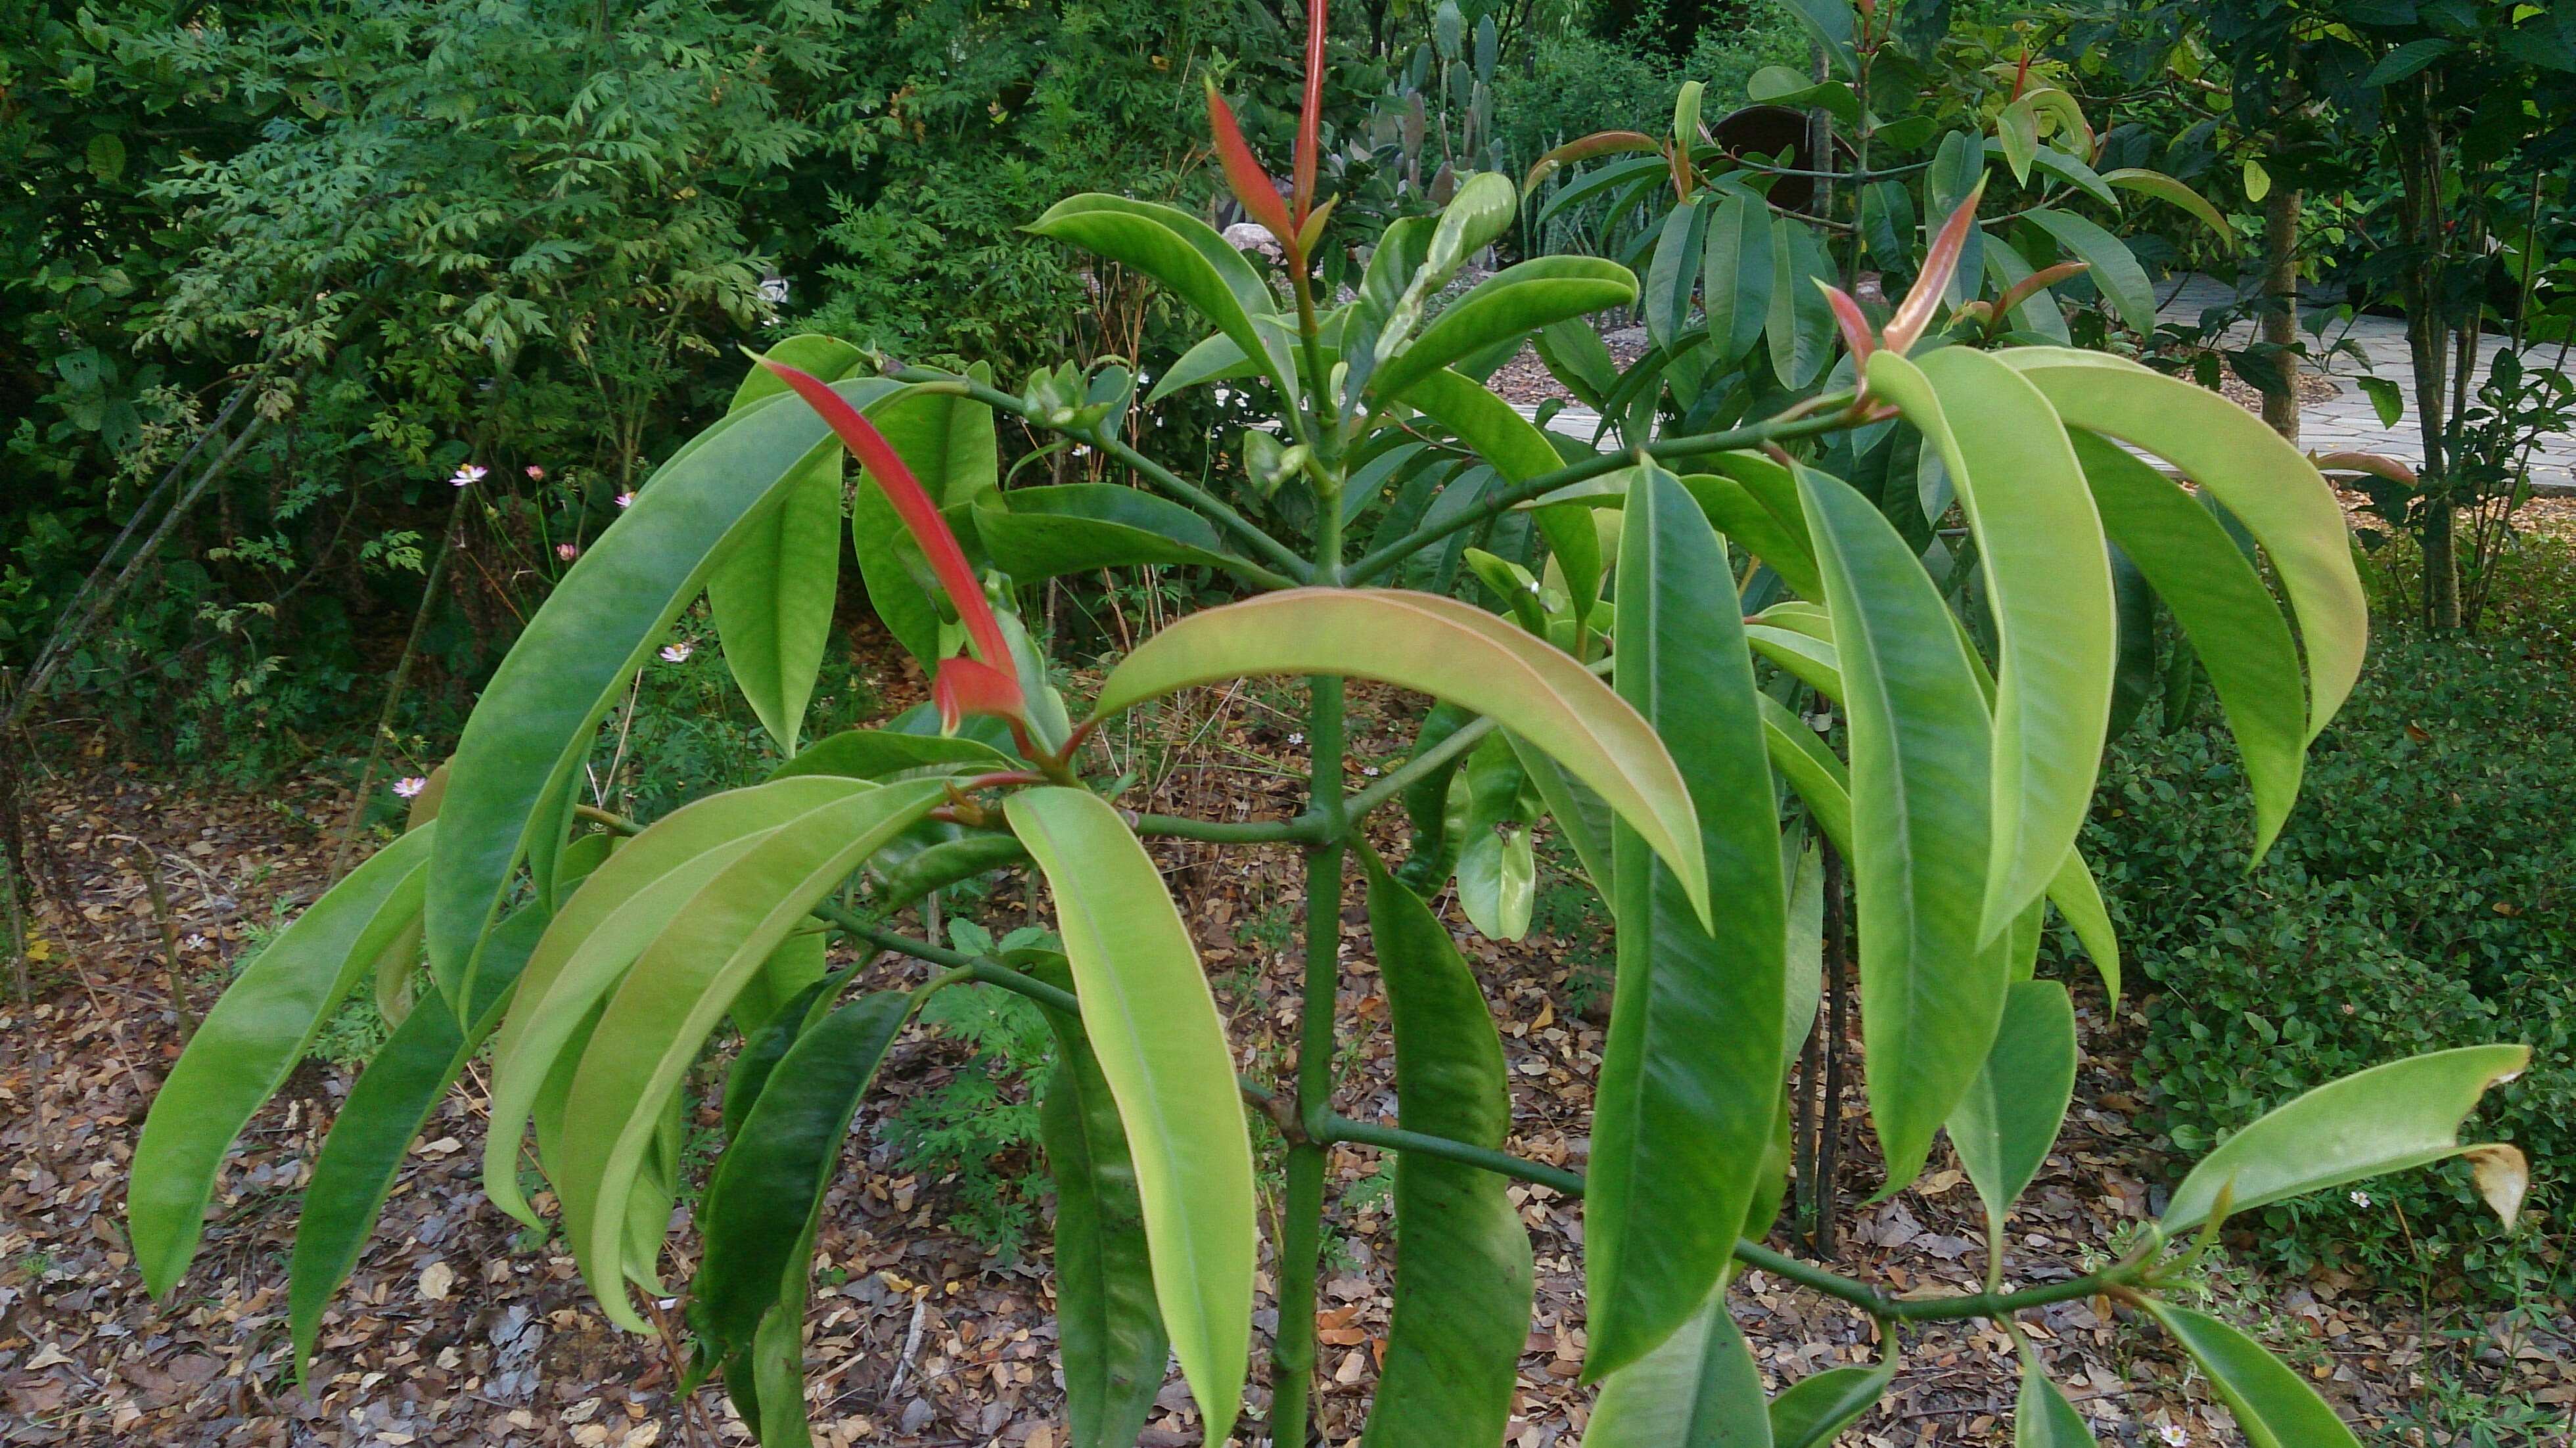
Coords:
567,551
626,500
678,653
536,474
410,788
468,475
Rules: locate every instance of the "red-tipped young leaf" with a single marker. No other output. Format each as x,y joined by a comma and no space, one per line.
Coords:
1849,320
2022,291
969,686
1244,175
919,514
1584,148
1915,312
1310,118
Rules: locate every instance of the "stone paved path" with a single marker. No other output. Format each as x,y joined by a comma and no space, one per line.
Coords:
2346,422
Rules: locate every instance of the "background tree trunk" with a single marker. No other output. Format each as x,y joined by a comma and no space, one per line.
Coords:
2280,321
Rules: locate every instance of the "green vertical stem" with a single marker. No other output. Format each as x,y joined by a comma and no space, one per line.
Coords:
1302,1234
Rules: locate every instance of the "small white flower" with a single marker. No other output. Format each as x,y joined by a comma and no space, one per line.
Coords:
773,290
1370,770
626,500
1296,738
194,942
468,475
2175,1435
567,551
678,653
410,788
2360,1199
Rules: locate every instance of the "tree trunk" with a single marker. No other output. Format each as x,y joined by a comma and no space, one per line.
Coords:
2419,156
2280,321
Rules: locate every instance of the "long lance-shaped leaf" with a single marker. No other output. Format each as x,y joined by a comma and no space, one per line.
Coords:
1517,450
515,762
1109,1331
2042,1418
1154,1027
2007,1121
2113,267
675,993
947,442
1736,265
2165,188
248,1043
1930,994
1810,769
1700,1388
2275,1406
1463,1270
1583,820
1511,303
1737,512
1693,1064
765,1198
772,592
1672,277
2389,1118
799,962
765,1046
1452,651
1188,256
2264,480
596,935
2048,579
1036,533
2223,608
392,1100
1817,1407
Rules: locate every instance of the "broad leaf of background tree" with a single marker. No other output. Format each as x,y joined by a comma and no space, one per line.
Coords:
1462,1259
1693,1062
1155,1031
2112,267
2389,1118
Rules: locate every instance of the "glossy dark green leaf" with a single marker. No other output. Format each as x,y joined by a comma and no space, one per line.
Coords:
1815,1408
1426,804
938,866
1672,279
2273,1405
515,763
2223,607
1583,819
1800,323
1740,515
1463,1276
2039,313
1035,533
766,1193
1497,872
2008,1120
1161,1046
2112,266
387,1107
797,963
1215,359
877,753
1186,255
1109,1330
1517,449
763,1048
1693,1064
1916,719
947,440
1739,270
1508,305
254,1035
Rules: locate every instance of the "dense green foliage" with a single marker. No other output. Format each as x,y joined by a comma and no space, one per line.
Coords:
2417,900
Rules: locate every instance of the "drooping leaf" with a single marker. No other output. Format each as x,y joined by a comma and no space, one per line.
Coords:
2008,1120
1463,1265
243,1050
1815,1408
1518,450
2224,608
2261,478
1453,651
2389,1118
2115,268
877,753
1920,802
1186,255
515,762
2273,1405
1800,326
1738,271
797,963
1672,278
1161,1047
2165,188
1036,533
1693,1062
2042,1418
763,1048
2048,584
1109,1329
370,1138
1497,870
673,996
765,1197
1740,515
596,934
1583,819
